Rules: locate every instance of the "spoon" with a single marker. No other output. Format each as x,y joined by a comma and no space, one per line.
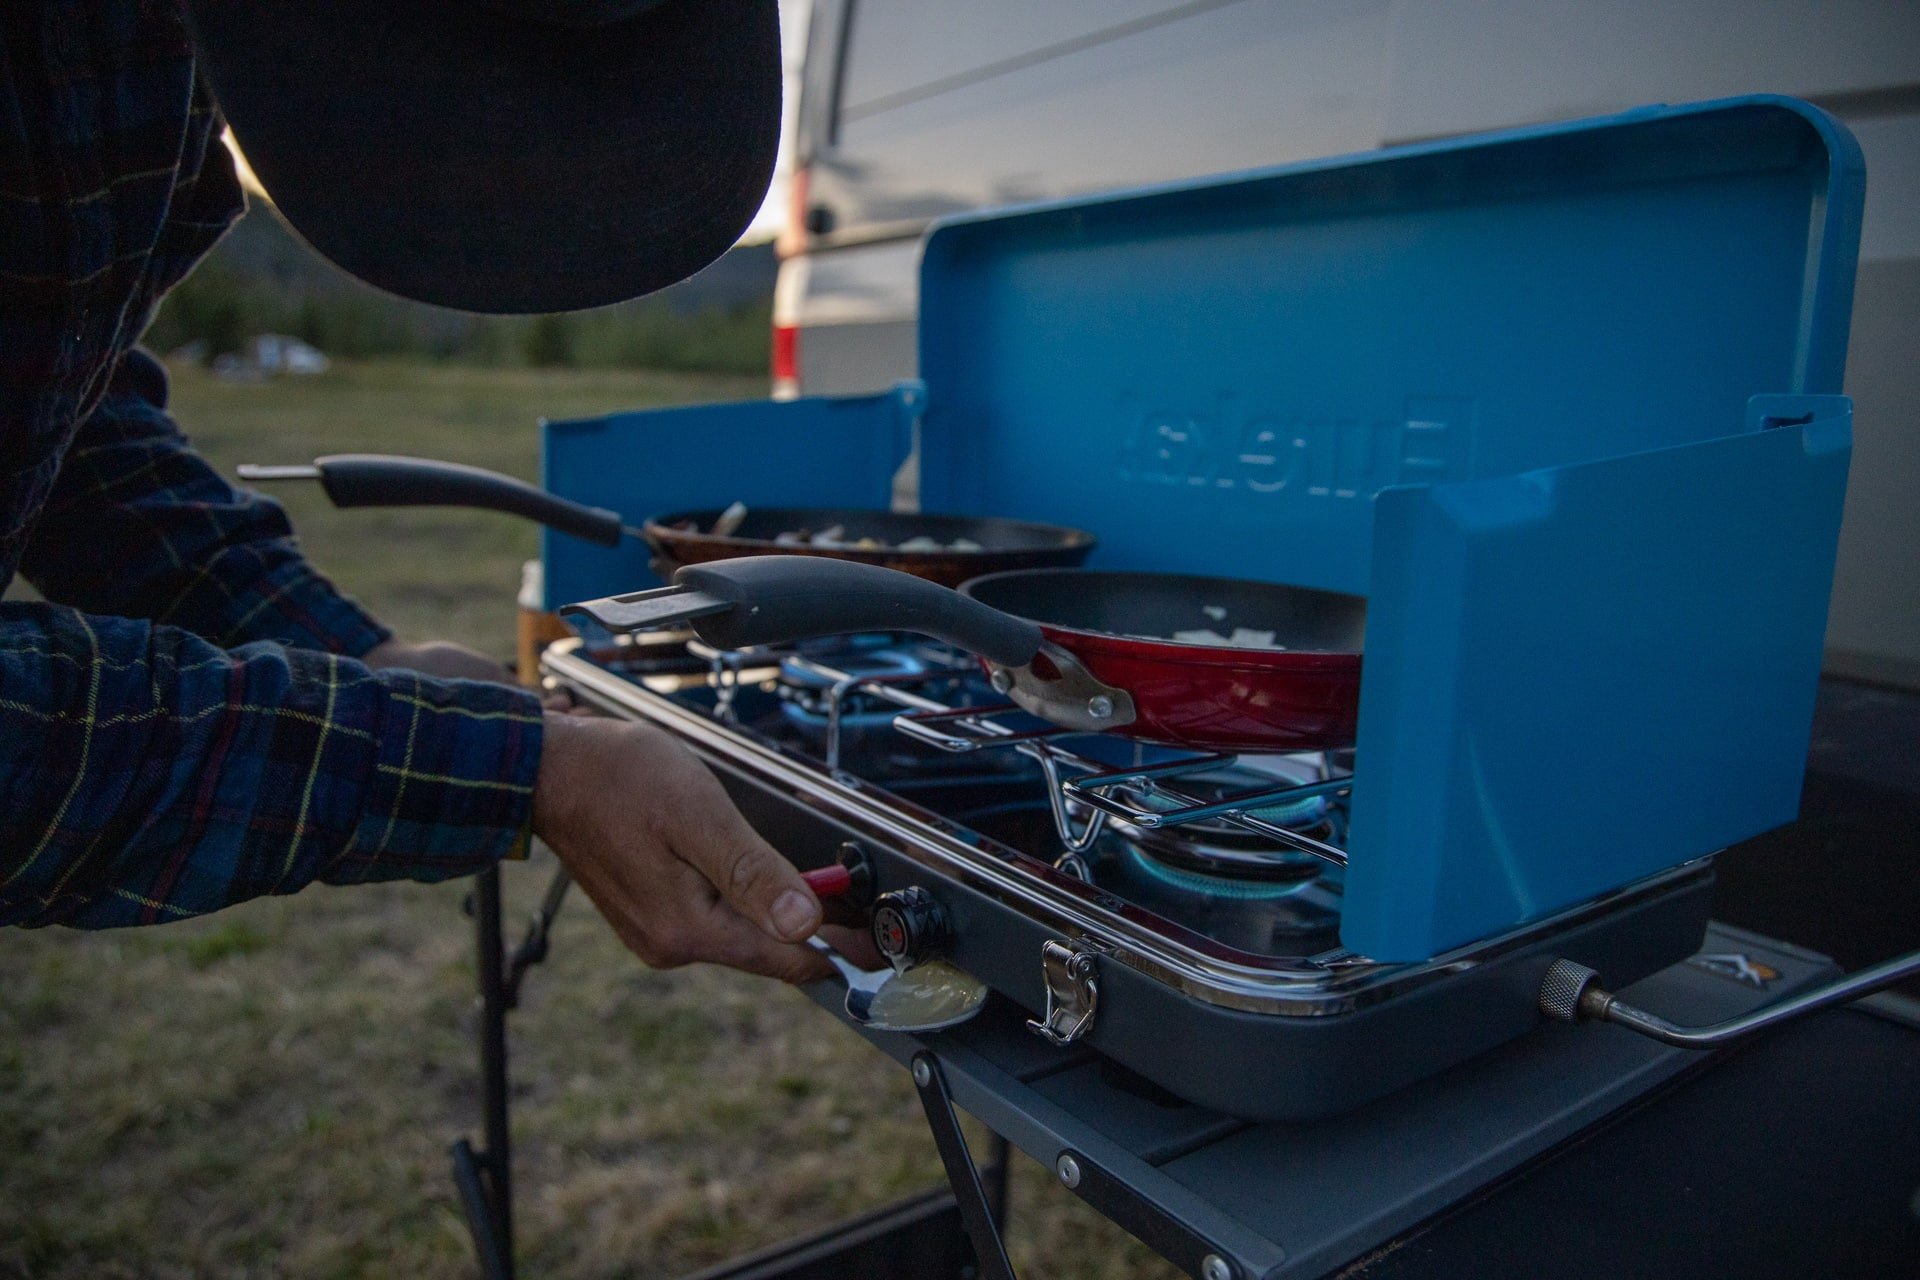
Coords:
927,997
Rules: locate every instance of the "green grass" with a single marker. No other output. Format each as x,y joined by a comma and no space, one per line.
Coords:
270,1091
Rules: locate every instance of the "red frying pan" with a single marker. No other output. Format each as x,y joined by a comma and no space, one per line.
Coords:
1086,650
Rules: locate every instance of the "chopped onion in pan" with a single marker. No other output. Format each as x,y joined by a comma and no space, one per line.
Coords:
834,536
1242,637
730,520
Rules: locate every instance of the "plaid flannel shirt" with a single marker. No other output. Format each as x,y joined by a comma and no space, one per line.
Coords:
187,726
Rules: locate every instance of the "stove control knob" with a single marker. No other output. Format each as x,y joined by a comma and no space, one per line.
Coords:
910,926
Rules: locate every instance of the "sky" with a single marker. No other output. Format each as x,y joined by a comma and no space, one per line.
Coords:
793,41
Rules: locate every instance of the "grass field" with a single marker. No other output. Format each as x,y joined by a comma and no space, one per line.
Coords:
270,1091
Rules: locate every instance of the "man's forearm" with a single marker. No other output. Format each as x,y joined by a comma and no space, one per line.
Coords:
146,775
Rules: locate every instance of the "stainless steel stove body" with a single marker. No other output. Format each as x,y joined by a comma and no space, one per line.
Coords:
1133,899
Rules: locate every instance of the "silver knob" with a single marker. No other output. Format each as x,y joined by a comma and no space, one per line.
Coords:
1099,706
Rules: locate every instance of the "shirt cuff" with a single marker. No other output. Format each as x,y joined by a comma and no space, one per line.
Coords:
451,790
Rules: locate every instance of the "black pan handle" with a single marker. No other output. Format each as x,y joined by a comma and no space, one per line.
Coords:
384,480
754,600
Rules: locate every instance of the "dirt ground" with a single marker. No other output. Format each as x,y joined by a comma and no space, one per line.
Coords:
271,1091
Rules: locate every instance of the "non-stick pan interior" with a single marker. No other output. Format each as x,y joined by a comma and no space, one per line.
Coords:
1155,606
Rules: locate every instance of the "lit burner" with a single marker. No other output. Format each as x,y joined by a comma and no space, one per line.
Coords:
1222,886
1216,855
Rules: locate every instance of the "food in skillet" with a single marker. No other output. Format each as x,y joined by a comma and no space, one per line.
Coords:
832,536
1241,638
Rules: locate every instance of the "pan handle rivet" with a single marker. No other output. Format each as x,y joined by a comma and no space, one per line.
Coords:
1069,1170
1099,706
1001,680
922,1073
1214,1267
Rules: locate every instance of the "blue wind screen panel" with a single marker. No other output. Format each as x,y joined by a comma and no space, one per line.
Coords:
1578,676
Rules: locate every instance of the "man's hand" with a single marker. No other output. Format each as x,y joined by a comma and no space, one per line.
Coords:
654,840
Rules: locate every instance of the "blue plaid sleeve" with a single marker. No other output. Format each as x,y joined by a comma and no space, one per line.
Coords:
147,775
138,525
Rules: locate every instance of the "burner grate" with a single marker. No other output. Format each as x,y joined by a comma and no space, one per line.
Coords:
1082,790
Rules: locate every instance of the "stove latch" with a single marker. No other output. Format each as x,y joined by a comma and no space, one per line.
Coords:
1073,993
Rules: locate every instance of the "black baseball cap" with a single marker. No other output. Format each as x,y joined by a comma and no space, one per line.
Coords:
506,156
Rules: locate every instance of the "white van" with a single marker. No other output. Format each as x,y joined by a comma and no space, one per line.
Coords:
911,109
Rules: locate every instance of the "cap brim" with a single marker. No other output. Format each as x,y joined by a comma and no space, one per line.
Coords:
460,157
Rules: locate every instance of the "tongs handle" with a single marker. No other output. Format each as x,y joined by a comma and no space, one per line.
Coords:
756,600
388,480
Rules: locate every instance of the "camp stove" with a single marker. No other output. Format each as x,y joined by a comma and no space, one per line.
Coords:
1561,404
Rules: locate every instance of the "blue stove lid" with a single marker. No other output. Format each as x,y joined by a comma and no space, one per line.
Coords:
1559,401
1218,375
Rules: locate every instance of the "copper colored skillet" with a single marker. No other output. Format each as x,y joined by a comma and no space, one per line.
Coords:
1086,650
686,537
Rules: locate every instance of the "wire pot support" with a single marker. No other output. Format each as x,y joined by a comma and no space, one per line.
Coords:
1082,792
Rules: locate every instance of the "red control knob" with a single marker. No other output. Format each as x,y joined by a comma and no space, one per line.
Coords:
829,881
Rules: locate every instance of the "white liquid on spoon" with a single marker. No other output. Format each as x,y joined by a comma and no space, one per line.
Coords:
925,996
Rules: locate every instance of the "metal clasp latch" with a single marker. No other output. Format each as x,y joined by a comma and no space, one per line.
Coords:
1072,993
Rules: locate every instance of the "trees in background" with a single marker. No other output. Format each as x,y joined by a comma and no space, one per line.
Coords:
261,280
